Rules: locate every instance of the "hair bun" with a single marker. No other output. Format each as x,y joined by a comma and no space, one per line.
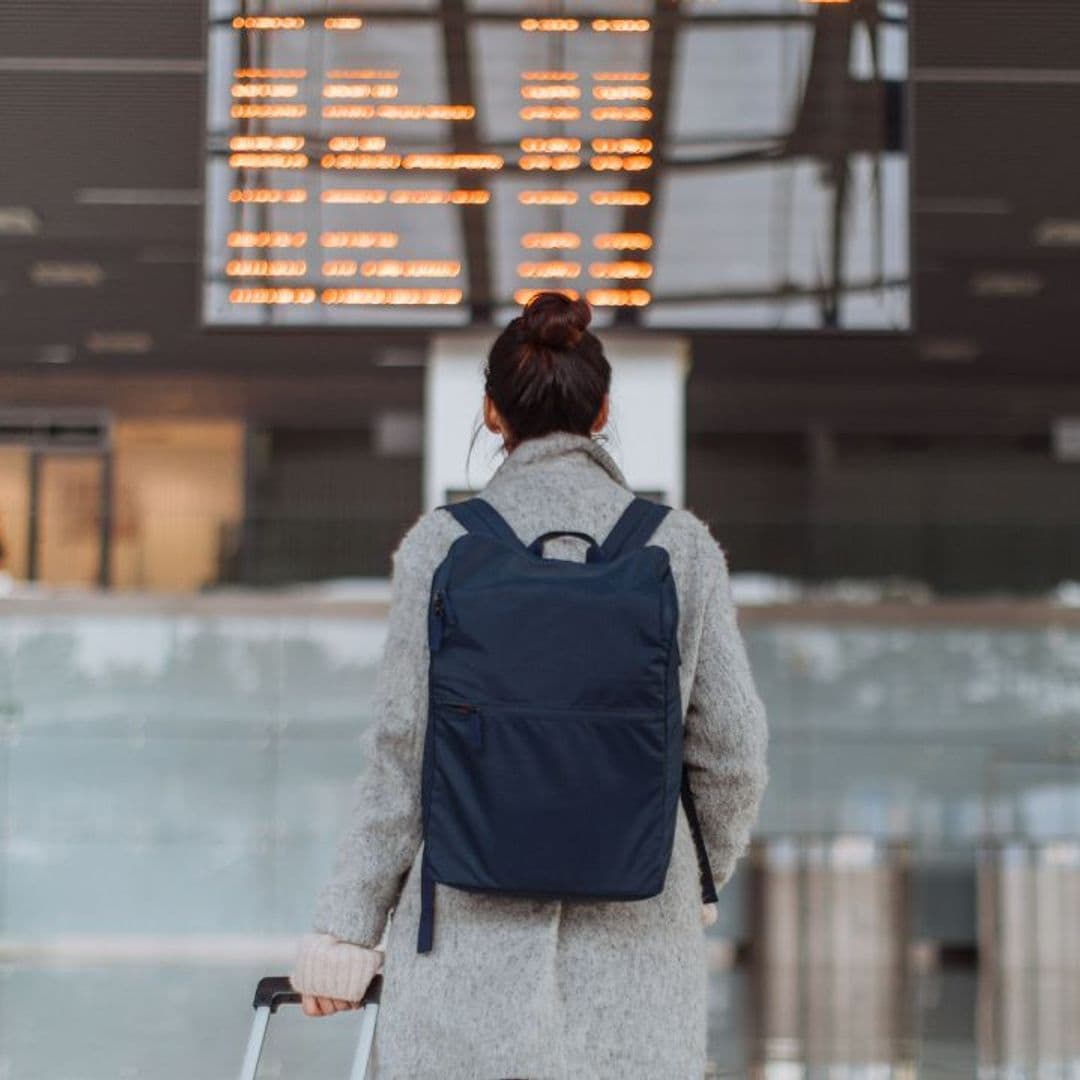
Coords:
554,320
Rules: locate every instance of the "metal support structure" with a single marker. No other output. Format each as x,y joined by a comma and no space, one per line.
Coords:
461,88
666,18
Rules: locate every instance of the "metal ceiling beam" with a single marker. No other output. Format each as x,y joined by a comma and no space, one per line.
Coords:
465,136
725,18
667,15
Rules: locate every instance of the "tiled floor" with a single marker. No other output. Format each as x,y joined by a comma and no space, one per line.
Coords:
129,1022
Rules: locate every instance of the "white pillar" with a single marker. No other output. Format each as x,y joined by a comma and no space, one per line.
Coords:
646,429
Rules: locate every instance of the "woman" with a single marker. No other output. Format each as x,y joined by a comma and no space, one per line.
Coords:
515,987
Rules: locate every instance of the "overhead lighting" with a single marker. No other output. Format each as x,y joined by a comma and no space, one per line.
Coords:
401,357
18,221
168,256
949,349
139,197
1058,232
343,22
398,433
120,342
625,76
1065,437
1011,284
55,354
48,273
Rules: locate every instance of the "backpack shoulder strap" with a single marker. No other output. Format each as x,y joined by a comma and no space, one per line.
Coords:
636,524
480,518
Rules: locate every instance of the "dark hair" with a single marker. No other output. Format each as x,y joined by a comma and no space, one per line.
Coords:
546,372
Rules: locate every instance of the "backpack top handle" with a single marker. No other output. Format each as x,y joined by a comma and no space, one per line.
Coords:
593,555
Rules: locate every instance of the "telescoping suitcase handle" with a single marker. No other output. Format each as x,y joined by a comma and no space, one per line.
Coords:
273,991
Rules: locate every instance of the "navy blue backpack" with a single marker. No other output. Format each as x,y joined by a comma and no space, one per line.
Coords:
553,760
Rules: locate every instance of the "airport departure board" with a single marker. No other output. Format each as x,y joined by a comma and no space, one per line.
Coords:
431,163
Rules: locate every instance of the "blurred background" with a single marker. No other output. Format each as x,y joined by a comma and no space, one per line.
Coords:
251,257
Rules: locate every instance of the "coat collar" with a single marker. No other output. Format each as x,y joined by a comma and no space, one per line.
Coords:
566,445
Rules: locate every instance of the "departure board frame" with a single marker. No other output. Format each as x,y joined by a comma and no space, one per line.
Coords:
428,164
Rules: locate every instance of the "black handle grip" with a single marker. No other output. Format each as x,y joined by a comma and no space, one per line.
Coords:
538,543
274,991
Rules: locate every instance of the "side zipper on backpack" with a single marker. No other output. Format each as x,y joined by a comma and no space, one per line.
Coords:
476,729
441,618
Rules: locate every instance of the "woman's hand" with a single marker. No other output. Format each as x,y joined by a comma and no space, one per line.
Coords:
332,975
709,914
324,1006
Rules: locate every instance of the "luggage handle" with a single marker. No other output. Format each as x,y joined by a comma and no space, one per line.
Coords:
273,991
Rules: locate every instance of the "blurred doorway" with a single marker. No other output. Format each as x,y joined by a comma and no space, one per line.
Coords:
68,518
54,497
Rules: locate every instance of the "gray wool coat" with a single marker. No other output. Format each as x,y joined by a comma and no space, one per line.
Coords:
547,989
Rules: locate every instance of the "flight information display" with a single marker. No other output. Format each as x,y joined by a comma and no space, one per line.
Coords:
432,163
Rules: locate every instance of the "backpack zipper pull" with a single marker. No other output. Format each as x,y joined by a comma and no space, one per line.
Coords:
438,611
477,722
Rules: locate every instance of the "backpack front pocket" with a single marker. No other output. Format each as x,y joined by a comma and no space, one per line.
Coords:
549,801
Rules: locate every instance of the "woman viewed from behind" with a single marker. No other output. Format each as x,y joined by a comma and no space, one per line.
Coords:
515,986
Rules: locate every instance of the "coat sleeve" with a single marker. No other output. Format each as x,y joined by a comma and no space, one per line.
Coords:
383,832
726,736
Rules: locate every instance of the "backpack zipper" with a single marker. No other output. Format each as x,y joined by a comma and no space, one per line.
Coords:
440,608
477,726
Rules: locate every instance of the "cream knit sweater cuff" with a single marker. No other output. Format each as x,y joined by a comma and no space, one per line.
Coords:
326,967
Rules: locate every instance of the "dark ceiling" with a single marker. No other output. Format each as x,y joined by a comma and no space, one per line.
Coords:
100,100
